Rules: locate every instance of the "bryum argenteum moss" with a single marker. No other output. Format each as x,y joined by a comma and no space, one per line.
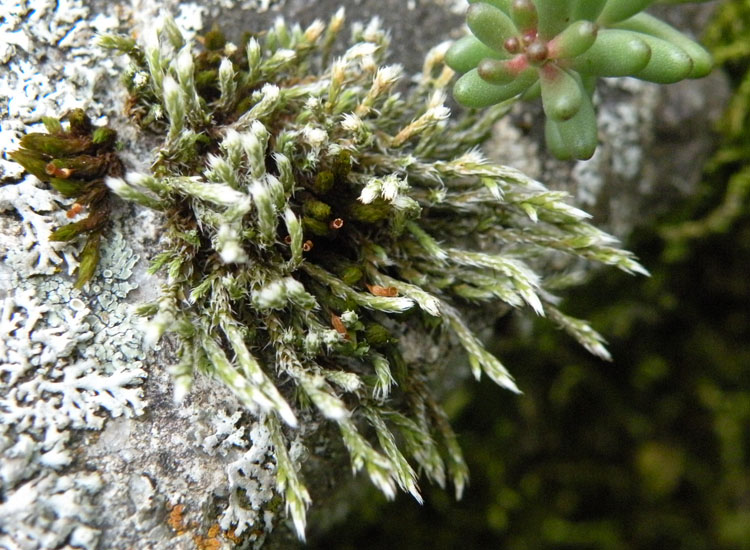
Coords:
317,208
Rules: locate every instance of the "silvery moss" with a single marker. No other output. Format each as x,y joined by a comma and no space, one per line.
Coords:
316,206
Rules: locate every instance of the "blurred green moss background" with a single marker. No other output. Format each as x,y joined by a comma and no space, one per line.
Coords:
649,452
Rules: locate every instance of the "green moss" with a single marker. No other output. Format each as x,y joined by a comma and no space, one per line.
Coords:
728,171
312,215
75,162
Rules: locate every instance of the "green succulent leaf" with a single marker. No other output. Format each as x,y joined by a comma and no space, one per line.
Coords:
618,10
503,5
586,9
467,52
614,53
524,15
562,94
575,138
554,16
473,91
647,24
573,41
500,72
668,63
490,25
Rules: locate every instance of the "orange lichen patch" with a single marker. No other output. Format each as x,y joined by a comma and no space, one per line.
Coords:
338,324
206,543
74,210
232,537
175,519
388,291
211,541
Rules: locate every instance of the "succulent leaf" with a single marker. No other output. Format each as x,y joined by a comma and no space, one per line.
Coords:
496,71
586,9
647,24
575,138
668,63
614,53
467,52
473,91
618,10
562,94
490,25
573,41
503,5
524,15
554,16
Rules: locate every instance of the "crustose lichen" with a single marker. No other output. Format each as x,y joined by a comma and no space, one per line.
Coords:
312,212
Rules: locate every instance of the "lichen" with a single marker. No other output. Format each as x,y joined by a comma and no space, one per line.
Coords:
67,362
250,469
61,370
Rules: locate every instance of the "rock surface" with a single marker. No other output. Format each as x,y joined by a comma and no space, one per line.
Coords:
95,453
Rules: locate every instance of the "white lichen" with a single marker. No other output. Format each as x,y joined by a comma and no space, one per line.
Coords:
251,471
50,511
68,359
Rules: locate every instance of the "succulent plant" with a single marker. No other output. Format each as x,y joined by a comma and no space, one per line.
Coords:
556,49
